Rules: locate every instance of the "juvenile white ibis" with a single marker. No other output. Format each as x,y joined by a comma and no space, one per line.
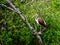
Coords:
39,20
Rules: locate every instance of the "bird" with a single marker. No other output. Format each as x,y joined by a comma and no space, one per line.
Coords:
39,20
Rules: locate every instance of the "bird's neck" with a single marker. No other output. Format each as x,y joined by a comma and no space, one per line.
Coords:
36,17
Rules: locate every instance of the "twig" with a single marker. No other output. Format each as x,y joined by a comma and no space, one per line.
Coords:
6,7
1,42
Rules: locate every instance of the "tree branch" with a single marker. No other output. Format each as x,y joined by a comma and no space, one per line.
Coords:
33,31
17,11
6,7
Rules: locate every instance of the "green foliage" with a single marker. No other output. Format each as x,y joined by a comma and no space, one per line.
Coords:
13,31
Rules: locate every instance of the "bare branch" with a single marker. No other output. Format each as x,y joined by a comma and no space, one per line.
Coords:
17,11
26,22
6,7
1,42
39,39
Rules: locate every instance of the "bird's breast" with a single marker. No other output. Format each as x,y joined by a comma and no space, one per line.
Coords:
37,21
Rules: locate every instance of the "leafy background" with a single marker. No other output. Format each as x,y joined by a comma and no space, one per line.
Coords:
14,32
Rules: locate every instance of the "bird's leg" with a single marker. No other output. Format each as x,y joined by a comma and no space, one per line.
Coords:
40,28
35,26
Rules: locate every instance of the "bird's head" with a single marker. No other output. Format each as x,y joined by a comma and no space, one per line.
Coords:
36,16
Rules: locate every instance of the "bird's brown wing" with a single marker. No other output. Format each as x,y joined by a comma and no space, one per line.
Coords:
41,22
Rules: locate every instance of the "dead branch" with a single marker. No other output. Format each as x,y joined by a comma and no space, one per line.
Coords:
1,41
6,7
17,11
33,31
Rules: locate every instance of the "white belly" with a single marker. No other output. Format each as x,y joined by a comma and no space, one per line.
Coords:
37,21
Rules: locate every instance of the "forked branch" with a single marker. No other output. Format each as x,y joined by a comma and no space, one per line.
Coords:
33,31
